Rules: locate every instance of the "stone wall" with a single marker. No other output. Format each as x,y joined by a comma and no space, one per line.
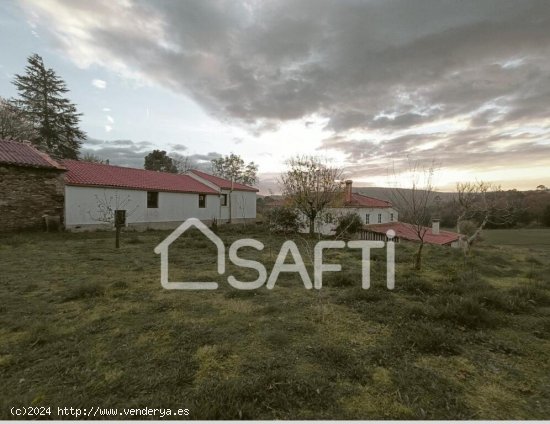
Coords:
27,194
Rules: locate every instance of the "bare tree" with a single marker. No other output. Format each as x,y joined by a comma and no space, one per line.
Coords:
106,206
483,203
92,158
414,203
311,185
14,125
182,163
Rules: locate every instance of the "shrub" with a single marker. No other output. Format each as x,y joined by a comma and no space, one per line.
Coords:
284,220
348,225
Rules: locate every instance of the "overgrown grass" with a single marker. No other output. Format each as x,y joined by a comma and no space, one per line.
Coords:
82,323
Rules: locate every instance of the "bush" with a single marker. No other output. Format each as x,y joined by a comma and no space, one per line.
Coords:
348,225
284,220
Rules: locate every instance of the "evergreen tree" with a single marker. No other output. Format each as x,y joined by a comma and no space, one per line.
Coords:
158,160
43,103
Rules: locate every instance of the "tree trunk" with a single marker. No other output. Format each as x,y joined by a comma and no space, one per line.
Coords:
472,239
418,257
311,226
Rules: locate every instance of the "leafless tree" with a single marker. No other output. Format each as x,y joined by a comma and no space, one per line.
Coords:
483,203
182,163
311,185
106,206
414,202
14,125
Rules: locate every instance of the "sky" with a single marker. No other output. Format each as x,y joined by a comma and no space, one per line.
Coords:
370,85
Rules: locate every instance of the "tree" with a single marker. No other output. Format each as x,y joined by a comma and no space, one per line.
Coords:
158,160
43,104
483,203
415,203
182,163
233,168
14,125
311,185
542,187
90,157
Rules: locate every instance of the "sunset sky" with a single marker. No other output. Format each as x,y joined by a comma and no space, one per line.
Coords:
364,83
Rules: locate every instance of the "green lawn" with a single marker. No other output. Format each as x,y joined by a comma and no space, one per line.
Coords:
84,324
521,237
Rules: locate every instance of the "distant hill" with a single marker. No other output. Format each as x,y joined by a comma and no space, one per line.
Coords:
385,193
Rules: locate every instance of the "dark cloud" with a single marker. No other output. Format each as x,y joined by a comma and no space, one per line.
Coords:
178,147
132,154
380,67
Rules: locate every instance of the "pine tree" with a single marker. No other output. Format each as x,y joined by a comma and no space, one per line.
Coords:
43,103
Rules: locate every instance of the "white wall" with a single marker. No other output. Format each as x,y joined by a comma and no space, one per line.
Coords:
82,206
327,228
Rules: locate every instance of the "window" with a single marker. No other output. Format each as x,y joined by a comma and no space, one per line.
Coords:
152,199
367,219
391,217
223,200
202,200
380,218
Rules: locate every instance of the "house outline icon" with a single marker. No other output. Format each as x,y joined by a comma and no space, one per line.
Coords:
162,249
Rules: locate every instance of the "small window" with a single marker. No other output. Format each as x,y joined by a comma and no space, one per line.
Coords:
152,199
223,200
367,219
202,200
380,218
391,217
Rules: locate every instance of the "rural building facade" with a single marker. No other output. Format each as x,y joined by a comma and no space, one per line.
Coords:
369,209
84,195
152,199
31,186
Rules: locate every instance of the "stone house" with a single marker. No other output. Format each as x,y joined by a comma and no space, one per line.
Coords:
31,186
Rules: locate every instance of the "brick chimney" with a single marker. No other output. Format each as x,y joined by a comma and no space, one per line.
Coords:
435,226
348,191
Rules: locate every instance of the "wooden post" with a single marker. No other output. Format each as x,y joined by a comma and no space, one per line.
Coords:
120,221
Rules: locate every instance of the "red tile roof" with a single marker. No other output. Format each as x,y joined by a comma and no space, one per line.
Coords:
222,182
407,231
25,154
94,174
362,201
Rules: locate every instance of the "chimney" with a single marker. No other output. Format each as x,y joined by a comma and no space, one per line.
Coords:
348,191
435,226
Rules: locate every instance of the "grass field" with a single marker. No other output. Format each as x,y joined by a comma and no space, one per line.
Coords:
84,324
522,237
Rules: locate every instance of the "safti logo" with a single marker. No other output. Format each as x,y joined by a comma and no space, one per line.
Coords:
298,266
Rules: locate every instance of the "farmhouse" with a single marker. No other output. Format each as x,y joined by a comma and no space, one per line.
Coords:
369,209
152,199
84,195
31,186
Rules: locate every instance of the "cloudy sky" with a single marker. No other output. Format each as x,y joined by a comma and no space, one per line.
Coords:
365,83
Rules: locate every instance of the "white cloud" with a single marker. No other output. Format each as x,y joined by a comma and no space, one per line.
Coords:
106,109
108,128
99,84
110,119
